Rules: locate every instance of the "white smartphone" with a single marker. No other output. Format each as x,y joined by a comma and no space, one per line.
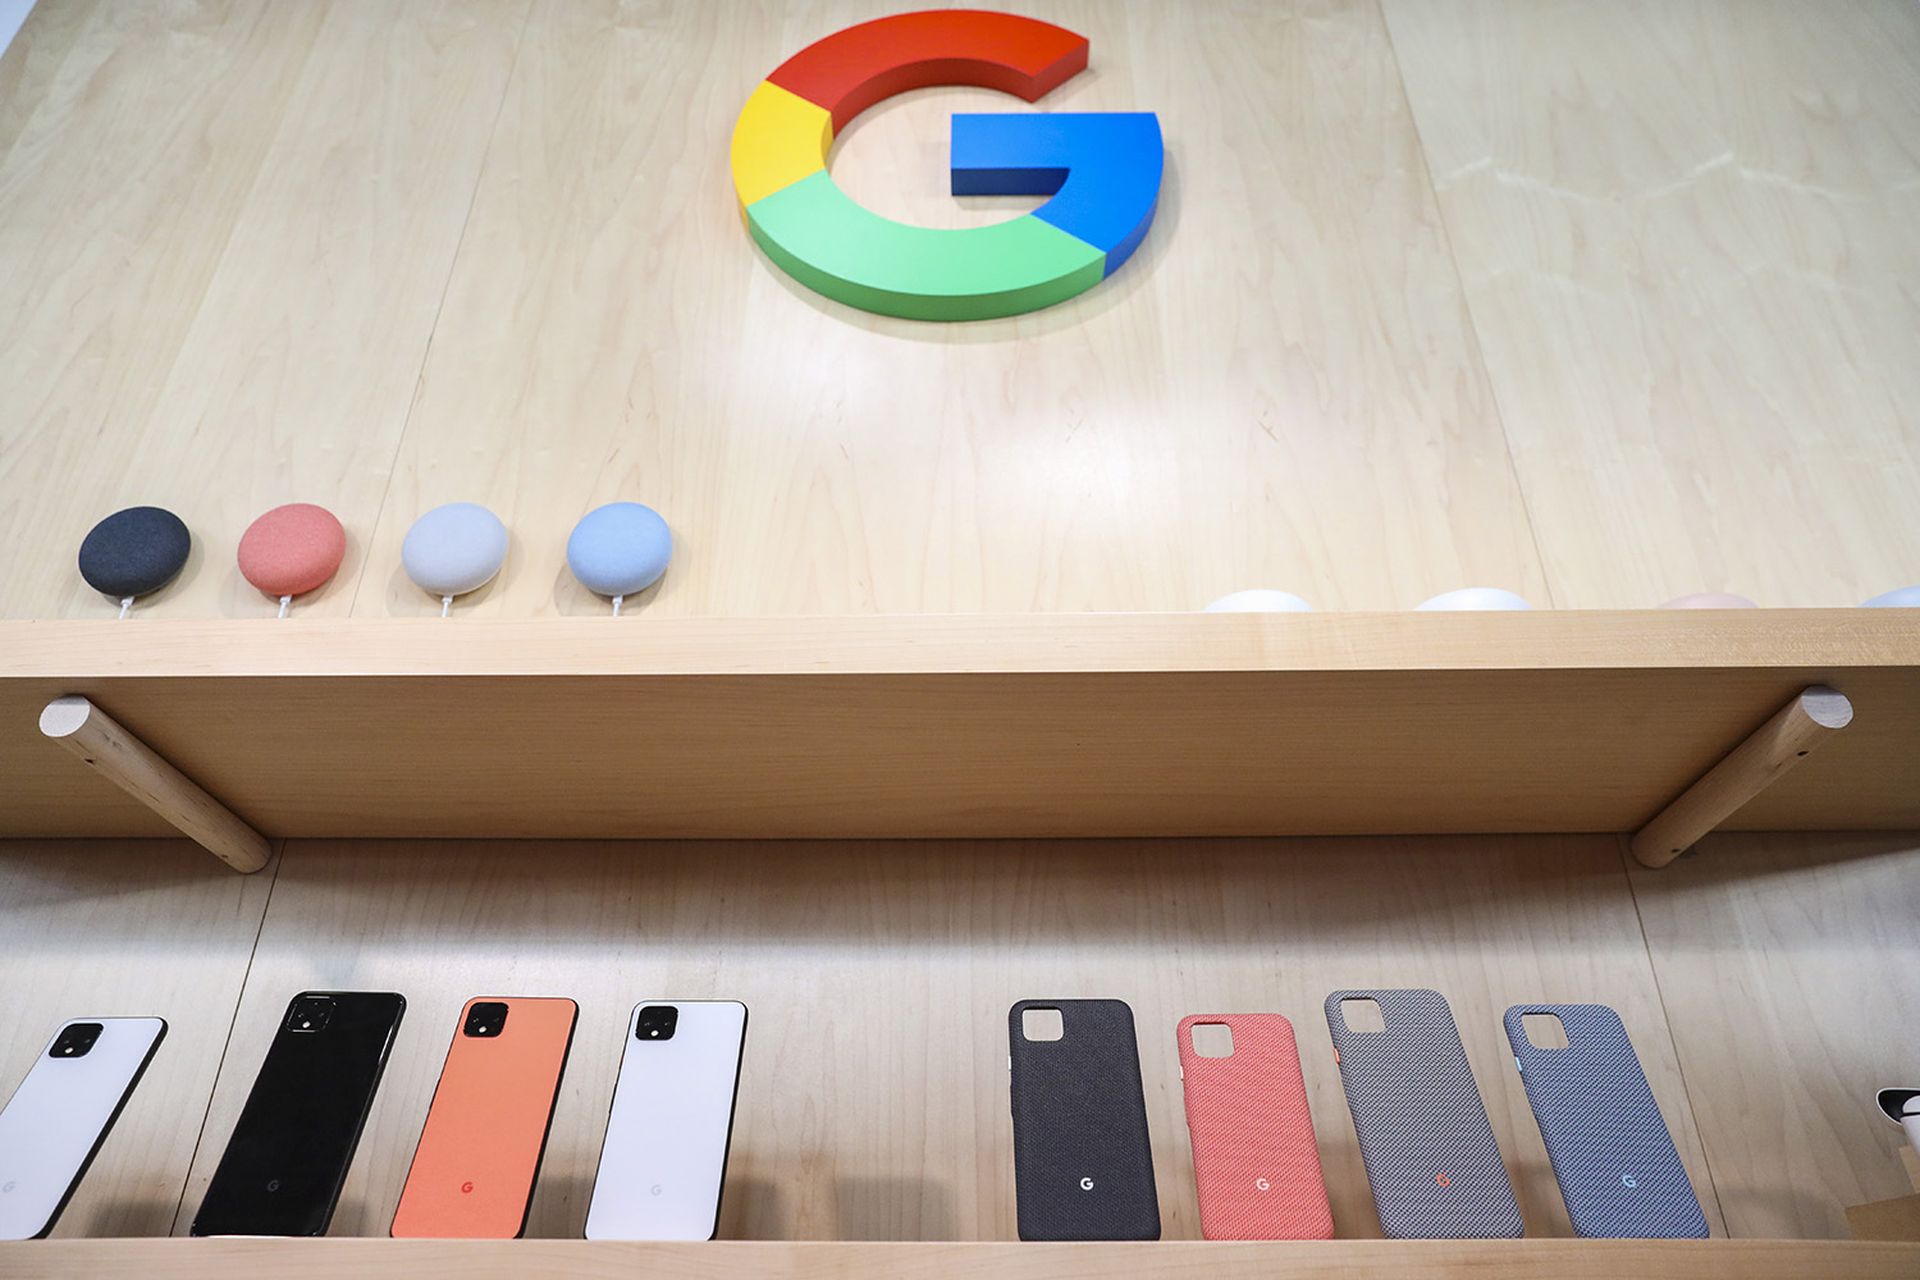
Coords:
62,1112
665,1156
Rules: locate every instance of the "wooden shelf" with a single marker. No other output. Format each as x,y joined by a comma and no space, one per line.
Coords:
1410,1259
1050,725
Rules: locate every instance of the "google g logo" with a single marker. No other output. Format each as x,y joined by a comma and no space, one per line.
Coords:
1102,170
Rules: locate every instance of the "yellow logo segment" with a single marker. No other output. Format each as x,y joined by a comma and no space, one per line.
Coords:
779,139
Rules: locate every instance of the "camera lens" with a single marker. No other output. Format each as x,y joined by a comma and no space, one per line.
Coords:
485,1018
75,1040
656,1022
310,1013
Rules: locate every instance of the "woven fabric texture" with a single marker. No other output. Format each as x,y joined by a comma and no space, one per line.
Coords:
1082,1163
1611,1153
1428,1149
1255,1163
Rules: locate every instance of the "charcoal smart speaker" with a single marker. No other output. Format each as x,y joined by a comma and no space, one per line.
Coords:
134,552
619,549
454,549
291,550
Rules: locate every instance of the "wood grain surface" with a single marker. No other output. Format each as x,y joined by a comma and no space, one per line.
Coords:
1065,725
1805,724
1600,304
1767,999
1316,1260
873,1099
105,747
1598,308
1684,235
127,928
1786,966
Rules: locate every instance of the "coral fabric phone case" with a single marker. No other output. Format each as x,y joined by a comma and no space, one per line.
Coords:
1255,1164
62,1112
1611,1153
1082,1160
486,1130
1428,1148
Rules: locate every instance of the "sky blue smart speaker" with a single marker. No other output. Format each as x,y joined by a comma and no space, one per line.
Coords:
619,550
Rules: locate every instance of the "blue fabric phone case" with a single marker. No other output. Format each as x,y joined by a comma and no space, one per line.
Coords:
1611,1152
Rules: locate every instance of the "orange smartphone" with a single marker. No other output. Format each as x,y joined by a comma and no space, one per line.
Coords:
1255,1164
473,1172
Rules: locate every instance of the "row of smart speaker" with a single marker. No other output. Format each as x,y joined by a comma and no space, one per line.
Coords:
1083,1158
614,551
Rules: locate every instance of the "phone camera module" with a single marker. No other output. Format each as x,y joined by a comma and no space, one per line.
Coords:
656,1022
76,1040
310,1013
484,1019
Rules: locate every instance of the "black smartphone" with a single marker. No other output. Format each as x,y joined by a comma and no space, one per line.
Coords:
1082,1161
283,1168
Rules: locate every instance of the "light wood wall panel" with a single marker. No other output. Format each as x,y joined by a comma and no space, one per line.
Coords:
127,928
34,61
878,974
1279,390
118,196
228,290
1787,965
1686,234
244,242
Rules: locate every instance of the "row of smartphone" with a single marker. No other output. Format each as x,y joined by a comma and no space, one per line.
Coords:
662,1163
1083,1159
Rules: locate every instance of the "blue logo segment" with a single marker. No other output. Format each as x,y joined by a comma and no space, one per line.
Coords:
1102,169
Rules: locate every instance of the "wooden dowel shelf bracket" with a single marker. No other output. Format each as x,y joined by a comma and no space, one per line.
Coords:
1814,715
140,771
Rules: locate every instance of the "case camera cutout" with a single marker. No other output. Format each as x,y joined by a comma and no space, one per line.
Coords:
1042,1024
1544,1030
1213,1039
1363,1015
